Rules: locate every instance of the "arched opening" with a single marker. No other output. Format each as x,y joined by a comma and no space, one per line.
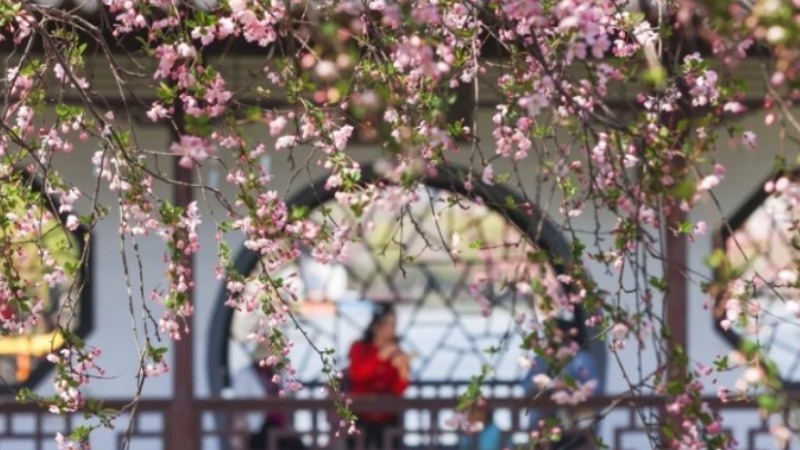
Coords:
455,252
755,257
66,297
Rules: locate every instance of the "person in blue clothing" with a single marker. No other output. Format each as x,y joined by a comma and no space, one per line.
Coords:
487,437
583,367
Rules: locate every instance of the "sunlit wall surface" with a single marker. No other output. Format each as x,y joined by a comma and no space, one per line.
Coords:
40,250
760,304
445,262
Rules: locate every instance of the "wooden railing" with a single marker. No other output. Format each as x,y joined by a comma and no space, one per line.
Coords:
626,423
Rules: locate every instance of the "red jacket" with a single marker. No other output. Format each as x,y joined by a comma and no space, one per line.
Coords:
370,375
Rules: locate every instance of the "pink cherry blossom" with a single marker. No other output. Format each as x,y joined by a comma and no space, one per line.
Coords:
193,150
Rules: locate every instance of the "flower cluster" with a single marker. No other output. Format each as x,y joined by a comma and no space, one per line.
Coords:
615,119
65,443
75,366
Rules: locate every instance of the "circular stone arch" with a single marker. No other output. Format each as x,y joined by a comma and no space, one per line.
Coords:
529,223
45,337
757,242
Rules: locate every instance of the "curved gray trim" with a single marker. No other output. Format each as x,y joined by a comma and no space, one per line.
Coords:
450,178
86,300
734,222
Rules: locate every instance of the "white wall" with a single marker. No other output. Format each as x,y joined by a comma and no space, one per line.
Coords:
112,329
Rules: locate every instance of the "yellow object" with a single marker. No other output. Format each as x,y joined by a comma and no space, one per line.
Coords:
38,345
23,368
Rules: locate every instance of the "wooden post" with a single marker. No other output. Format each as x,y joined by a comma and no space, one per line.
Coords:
677,281
183,422
677,257
676,264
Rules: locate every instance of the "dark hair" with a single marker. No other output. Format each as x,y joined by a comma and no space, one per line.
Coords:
485,408
567,328
379,313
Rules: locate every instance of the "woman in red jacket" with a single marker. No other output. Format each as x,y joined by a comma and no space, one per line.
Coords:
378,366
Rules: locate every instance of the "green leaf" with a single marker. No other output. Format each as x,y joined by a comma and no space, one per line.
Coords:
659,283
717,259
769,402
198,126
656,76
165,93
685,227
81,434
156,353
676,387
511,203
722,364
684,189
300,212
